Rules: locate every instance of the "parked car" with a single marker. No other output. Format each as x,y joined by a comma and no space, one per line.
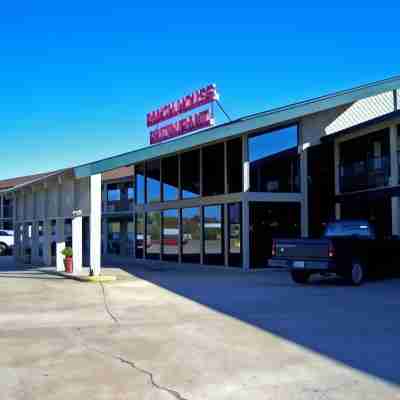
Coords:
6,242
349,249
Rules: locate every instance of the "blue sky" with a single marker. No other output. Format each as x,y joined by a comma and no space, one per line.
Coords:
77,78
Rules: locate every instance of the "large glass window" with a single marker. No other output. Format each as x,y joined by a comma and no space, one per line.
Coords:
170,235
114,237
274,161
67,231
191,235
153,235
190,172
139,218
213,235
235,234
170,179
130,235
235,165
140,183
113,192
213,170
153,181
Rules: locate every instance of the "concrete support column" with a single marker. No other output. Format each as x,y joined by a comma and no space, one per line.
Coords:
60,244
304,191
95,224
338,211
394,165
396,216
246,235
77,244
47,242
246,164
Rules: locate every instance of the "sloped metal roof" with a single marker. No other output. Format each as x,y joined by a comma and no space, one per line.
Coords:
239,126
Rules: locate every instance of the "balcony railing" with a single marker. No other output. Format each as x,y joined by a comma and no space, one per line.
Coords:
361,175
117,206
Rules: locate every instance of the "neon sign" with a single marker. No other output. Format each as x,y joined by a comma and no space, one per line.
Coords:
202,119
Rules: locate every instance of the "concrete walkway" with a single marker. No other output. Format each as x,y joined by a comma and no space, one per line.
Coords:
173,333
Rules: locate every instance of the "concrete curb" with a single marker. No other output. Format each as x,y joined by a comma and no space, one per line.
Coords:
88,278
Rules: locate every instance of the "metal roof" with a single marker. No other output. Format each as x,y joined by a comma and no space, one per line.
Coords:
240,126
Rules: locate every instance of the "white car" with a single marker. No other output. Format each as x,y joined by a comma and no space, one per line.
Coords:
6,241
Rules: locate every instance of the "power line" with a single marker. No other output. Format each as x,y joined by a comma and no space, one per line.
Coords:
222,109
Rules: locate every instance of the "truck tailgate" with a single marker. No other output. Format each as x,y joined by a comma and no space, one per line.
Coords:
298,249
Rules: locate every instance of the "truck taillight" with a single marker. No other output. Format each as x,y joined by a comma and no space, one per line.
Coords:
332,250
273,248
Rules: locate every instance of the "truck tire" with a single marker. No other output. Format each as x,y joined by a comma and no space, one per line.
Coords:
3,249
300,276
356,274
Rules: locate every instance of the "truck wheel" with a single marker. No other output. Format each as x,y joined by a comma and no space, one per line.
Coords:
300,276
357,273
3,249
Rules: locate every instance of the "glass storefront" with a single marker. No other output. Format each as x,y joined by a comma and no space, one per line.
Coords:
213,235
170,235
140,183
170,181
191,234
153,235
153,181
235,234
190,174
139,220
114,237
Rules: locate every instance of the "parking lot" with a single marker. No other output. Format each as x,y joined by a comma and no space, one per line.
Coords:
190,333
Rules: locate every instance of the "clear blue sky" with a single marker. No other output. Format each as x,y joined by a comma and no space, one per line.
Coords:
77,78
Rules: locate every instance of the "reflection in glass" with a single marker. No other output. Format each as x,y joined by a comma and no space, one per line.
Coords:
190,172
153,181
130,234
213,235
191,235
213,170
170,235
67,231
274,161
235,234
170,178
114,237
139,183
153,235
139,218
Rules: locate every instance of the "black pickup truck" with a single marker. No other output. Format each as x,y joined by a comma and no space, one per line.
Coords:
348,248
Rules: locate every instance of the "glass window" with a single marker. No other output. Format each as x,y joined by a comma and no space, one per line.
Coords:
235,165
170,235
130,234
153,183
113,192
213,170
140,183
114,237
235,234
67,231
139,217
274,161
191,235
153,235
213,235
190,173
170,178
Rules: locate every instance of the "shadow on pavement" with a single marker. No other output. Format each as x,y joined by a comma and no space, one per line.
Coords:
355,326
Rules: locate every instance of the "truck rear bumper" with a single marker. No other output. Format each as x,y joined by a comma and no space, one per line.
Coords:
312,265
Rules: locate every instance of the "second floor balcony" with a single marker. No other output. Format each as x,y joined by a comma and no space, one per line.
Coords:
365,174
117,206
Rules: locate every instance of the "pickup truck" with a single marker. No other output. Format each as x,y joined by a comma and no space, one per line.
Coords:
6,242
349,249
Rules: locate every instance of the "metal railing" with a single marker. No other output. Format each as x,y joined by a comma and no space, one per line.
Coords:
366,174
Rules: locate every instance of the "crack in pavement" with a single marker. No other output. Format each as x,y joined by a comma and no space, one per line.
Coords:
133,365
108,310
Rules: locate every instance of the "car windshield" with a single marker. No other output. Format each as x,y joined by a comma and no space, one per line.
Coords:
351,228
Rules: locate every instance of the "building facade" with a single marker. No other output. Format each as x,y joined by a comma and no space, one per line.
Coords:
220,196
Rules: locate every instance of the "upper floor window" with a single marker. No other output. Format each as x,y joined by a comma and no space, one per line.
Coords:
274,161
